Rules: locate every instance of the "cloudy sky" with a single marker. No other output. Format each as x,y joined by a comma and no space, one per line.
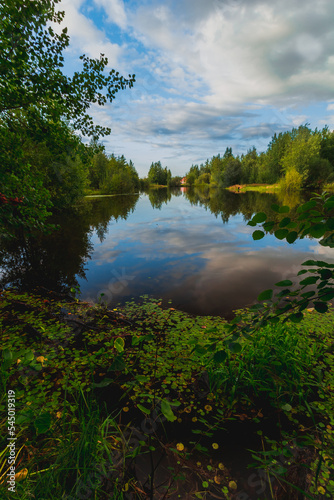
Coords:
209,73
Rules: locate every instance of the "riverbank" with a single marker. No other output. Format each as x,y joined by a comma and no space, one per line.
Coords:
135,387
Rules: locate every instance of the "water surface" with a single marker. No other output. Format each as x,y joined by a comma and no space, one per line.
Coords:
191,247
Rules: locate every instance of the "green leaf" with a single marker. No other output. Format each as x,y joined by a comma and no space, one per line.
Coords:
284,210
267,226
330,224
292,225
321,307
251,223
329,204
258,235
265,295
328,241
306,206
307,295
311,280
291,237
234,347
7,355
118,363
104,383
119,344
309,263
325,274
256,307
43,423
280,234
286,407
29,356
260,217
220,356
167,411
284,222
284,283
143,409
318,230
328,296
297,317
275,207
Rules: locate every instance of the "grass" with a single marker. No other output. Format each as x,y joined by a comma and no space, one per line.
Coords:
99,393
261,188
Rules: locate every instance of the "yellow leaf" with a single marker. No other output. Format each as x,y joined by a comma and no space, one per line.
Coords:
232,485
19,476
215,446
180,446
217,480
41,359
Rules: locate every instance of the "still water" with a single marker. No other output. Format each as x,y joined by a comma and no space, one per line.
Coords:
193,248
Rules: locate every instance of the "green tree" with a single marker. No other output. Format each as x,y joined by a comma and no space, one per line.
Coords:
31,67
233,172
157,174
303,156
40,107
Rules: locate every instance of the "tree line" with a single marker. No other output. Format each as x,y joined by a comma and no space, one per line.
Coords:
297,159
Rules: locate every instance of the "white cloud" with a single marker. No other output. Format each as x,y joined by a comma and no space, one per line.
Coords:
209,74
115,10
85,37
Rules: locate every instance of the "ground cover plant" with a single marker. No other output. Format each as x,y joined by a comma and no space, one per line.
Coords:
86,379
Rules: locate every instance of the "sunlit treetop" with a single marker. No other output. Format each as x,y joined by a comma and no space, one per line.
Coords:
31,61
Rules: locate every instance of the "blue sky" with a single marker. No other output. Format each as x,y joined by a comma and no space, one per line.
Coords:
209,74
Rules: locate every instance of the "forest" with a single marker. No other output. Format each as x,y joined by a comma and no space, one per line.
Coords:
298,159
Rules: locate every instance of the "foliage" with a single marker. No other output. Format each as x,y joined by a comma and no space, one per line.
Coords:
300,158
42,161
147,362
159,175
31,68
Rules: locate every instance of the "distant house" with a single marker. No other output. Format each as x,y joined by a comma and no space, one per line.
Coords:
184,180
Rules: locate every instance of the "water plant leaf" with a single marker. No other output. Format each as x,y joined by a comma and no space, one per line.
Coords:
103,383
143,409
167,411
42,423
284,210
119,344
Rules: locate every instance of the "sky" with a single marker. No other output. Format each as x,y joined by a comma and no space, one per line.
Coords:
210,74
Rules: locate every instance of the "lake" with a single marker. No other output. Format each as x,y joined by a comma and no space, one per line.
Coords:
191,248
